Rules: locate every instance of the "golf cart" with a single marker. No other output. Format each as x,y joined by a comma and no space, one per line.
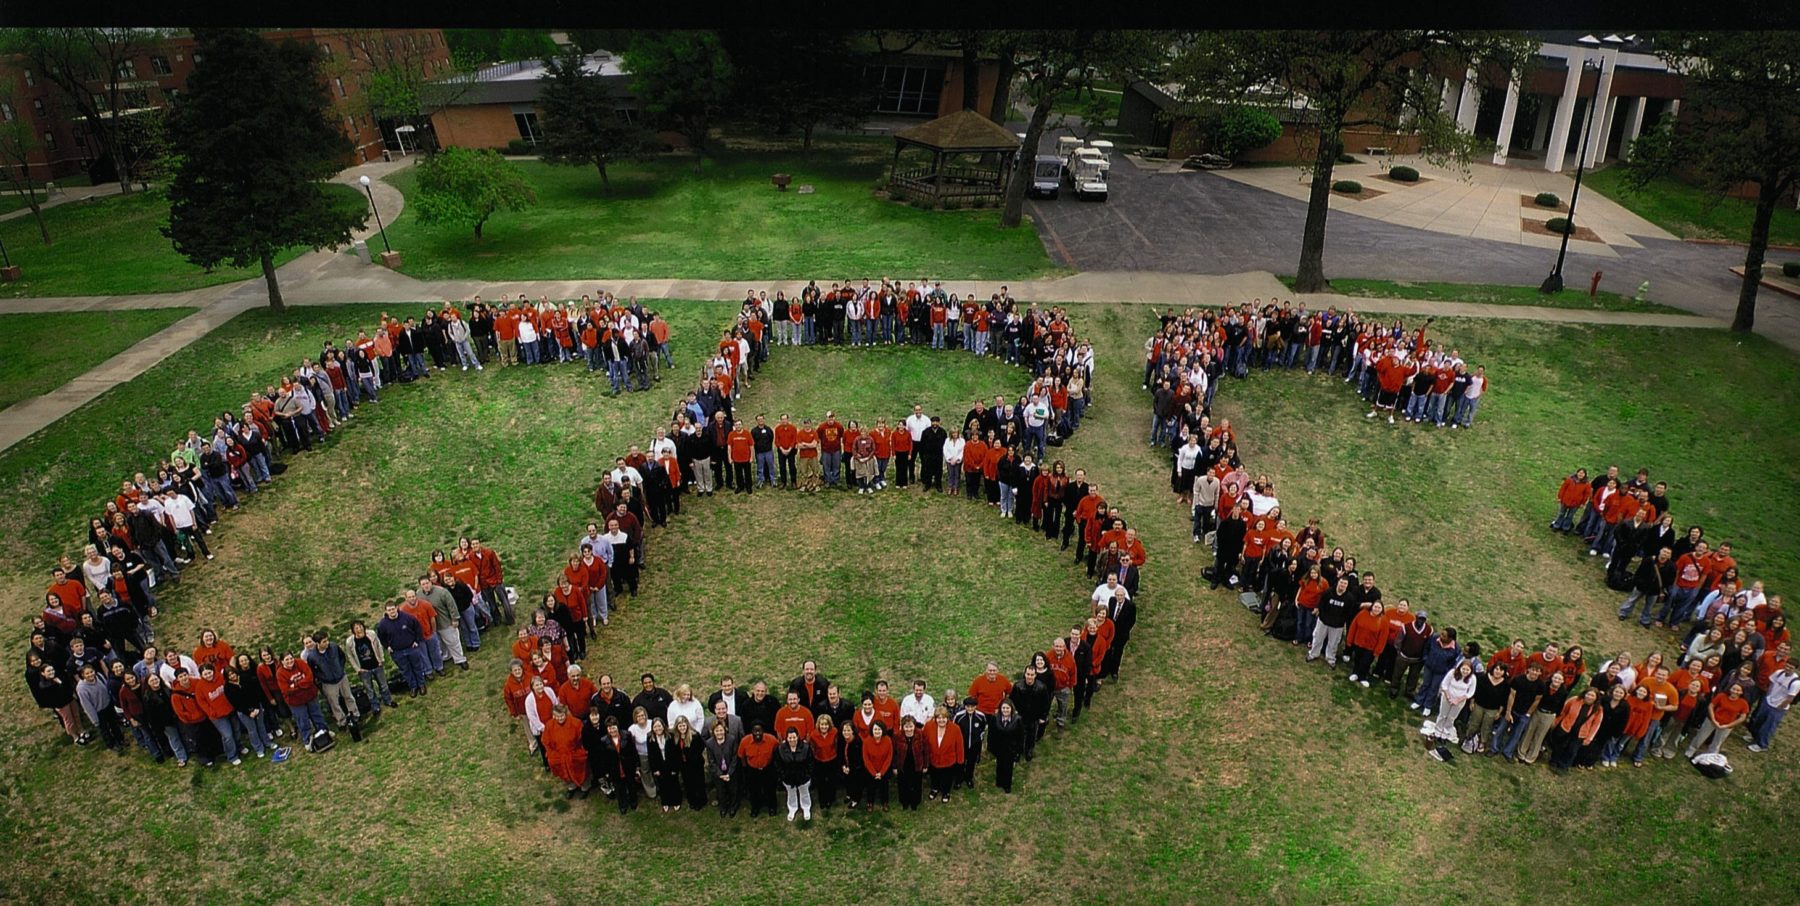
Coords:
1087,176
1105,148
1046,175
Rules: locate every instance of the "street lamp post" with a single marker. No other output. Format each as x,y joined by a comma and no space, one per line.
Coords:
1554,282
8,273
378,224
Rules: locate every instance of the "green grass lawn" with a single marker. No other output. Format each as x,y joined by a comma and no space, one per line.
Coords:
49,349
1218,763
1690,211
110,246
1490,294
660,220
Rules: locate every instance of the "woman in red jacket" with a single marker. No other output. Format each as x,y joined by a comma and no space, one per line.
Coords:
878,760
563,750
1569,498
944,743
518,686
1368,634
824,741
912,761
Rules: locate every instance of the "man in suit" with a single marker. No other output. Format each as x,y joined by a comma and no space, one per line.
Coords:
1123,614
734,726
735,699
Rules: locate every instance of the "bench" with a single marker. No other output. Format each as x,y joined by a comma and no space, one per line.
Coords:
1378,151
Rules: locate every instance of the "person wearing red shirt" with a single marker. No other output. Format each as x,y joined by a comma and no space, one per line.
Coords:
756,752
794,716
70,591
1571,497
1512,657
877,764
831,447
901,440
741,449
1063,672
1390,375
882,436
212,651
974,465
1724,714
989,689
786,436
944,745
209,692
517,687
1690,581
578,692
563,750
295,678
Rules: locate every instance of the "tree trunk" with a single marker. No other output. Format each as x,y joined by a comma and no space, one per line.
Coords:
1022,174
1002,87
971,72
268,269
806,140
1766,197
604,182
478,225
1310,276
37,212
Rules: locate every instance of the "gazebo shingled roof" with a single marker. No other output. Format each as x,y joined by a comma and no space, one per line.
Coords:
964,130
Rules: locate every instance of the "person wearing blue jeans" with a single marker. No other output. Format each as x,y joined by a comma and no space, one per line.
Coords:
366,654
1441,655
404,639
1522,701
1784,686
1471,398
1652,580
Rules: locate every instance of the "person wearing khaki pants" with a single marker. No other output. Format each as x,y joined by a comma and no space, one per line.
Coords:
1532,743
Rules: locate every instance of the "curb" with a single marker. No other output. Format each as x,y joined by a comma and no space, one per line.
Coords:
1772,247
1766,283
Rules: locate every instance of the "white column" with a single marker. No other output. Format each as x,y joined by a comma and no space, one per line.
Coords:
1447,98
1546,108
1609,61
1469,103
1562,123
1634,124
1674,108
1508,112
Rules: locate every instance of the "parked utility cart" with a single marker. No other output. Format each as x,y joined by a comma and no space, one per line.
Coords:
1086,177
1046,175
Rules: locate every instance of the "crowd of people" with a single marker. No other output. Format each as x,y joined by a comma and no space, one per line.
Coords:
1521,704
1398,372
96,633
818,740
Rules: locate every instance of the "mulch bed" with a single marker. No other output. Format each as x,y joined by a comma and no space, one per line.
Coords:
1366,194
1530,201
1538,227
1401,182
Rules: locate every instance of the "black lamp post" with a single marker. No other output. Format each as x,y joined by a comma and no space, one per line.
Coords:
378,224
1554,282
5,259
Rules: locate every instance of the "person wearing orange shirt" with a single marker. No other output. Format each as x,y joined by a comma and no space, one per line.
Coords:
1369,633
564,752
974,465
989,689
878,763
740,448
515,690
806,452
886,708
756,751
944,744
882,438
793,716
1723,715
212,651
786,437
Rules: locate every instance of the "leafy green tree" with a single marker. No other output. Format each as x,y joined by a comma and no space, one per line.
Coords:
407,80
18,141
255,138
1343,79
490,45
92,69
1741,124
1241,129
820,84
1052,62
684,78
582,125
463,185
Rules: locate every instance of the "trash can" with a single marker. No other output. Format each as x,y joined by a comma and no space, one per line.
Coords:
362,250
387,156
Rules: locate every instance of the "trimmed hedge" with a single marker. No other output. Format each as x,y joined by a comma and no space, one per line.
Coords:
1346,159
1560,225
1790,269
518,146
1349,186
1547,200
1403,174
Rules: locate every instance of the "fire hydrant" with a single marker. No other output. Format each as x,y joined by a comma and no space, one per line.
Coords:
1643,291
1594,285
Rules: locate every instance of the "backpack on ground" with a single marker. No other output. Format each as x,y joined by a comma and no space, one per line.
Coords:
321,742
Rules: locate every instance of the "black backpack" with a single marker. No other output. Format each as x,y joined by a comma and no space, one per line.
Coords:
322,741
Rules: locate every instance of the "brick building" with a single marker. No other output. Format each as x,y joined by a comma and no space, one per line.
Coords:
156,75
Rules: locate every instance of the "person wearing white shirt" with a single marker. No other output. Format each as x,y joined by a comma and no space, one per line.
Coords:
686,705
621,471
1105,592
953,458
662,444
1784,687
919,705
917,422
853,313
1261,504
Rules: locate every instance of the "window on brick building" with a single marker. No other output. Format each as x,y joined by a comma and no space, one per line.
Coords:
6,114
37,106
50,141
30,78
340,87
528,126
160,66
127,69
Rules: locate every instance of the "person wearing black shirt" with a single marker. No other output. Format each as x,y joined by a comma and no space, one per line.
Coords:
1491,691
1031,694
762,439
1334,613
654,699
1524,696
1073,492
930,450
1228,544
760,707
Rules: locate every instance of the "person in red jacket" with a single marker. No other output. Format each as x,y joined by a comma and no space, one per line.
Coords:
1063,677
1369,633
1572,496
944,743
1390,375
878,762
209,689
564,752
301,693
184,698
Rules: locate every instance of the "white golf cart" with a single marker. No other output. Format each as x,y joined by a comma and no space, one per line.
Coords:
1105,148
1046,175
1087,176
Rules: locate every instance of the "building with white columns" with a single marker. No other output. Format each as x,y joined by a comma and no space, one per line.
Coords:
1539,119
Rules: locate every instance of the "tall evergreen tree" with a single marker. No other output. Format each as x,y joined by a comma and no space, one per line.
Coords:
683,77
255,140
582,123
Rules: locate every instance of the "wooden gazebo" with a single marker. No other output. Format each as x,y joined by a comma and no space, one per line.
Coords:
971,157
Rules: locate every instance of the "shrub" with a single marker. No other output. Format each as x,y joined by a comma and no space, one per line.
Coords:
1244,129
1547,200
1790,269
1403,174
1560,225
518,146
1348,186
1346,159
